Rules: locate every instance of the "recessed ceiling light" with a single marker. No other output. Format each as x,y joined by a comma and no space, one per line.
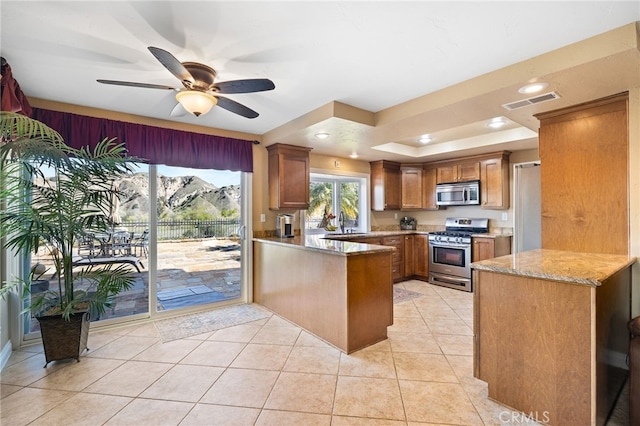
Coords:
497,122
425,139
322,135
354,155
533,88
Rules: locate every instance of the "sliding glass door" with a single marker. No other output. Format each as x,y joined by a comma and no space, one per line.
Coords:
181,233
198,245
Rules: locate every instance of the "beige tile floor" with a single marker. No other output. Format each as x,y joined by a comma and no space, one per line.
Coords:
268,372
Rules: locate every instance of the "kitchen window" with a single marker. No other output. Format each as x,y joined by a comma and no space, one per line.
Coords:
333,197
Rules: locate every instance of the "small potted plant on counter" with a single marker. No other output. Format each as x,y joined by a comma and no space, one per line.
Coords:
50,215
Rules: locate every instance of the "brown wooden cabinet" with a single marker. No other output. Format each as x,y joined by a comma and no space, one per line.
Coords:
429,188
584,151
344,300
288,177
458,172
385,185
397,261
421,256
411,186
494,182
489,247
533,331
367,240
409,266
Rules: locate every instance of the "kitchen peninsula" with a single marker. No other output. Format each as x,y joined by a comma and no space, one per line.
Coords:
340,291
550,335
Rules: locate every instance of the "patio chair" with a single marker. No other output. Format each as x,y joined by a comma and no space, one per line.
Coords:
88,243
119,243
141,242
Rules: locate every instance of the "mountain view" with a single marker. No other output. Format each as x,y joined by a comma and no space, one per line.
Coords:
183,197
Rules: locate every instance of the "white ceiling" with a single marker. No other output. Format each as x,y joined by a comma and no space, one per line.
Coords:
381,57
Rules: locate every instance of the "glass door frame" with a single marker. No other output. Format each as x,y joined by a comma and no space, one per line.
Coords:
16,266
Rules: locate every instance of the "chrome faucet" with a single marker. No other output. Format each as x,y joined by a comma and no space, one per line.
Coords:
341,221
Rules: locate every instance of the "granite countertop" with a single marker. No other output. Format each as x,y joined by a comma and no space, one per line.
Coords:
328,246
491,235
571,267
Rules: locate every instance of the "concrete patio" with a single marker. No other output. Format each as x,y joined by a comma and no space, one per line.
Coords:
210,264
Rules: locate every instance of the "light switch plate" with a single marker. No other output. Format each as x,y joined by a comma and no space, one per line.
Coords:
505,216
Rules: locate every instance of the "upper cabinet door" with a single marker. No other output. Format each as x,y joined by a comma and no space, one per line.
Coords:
584,176
494,183
429,188
411,187
385,185
288,177
468,171
458,172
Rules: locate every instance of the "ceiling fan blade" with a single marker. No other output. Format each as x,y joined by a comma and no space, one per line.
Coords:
245,86
236,107
178,111
173,65
133,84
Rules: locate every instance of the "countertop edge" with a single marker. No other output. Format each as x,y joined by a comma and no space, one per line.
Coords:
598,275
333,247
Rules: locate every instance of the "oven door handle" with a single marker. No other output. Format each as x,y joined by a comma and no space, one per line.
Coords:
455,246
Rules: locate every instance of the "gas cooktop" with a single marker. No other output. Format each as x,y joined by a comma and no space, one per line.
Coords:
459,230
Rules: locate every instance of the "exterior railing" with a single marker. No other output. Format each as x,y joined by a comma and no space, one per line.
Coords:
187,229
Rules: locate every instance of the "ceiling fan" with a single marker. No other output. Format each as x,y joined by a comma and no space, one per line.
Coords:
200,92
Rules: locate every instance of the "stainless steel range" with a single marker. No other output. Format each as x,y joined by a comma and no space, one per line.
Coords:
450,252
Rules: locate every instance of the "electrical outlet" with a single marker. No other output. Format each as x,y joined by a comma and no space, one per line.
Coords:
263,217
395,215
505,216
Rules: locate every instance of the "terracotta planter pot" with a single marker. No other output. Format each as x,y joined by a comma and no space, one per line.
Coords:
64,339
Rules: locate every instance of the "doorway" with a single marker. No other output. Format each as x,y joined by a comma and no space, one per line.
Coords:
527,207
188,228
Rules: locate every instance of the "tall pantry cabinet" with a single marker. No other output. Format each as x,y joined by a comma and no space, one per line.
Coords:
584,153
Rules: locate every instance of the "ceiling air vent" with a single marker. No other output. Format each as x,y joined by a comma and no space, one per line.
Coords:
531,101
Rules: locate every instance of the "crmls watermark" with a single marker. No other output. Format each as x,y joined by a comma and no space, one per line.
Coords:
524,418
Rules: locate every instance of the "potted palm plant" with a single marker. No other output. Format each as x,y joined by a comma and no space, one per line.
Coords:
49,216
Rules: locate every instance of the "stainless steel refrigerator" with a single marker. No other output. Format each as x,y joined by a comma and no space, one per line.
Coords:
527,207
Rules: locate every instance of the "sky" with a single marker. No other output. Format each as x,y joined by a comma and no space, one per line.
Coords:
218,178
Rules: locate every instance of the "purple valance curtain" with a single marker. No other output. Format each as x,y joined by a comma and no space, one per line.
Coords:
155,145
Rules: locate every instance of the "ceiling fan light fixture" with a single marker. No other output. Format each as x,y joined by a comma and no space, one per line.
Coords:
196,102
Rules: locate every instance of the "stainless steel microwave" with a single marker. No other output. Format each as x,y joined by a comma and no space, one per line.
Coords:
458,194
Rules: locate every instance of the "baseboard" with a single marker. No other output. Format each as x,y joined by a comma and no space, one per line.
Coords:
5,354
